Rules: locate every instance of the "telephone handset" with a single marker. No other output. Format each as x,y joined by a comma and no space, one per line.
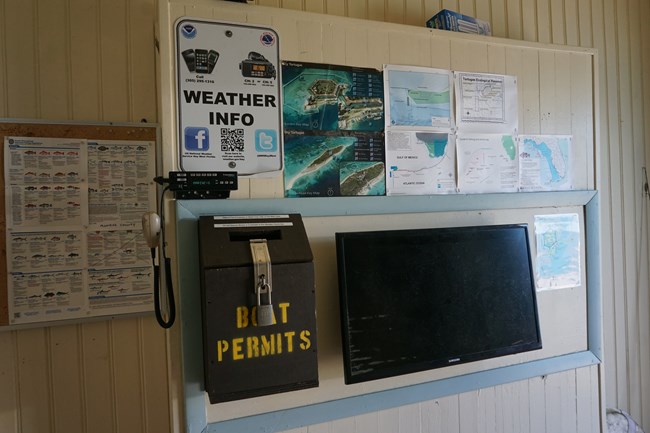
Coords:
200,61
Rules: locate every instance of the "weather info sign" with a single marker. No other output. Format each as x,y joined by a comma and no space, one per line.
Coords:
228,97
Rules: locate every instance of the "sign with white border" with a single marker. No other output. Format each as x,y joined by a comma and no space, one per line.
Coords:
228,97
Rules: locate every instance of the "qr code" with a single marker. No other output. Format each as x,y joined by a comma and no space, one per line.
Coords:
232,140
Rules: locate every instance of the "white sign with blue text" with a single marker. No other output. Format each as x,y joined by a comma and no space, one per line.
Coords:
228,96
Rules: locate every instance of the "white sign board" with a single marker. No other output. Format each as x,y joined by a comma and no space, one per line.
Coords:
228,97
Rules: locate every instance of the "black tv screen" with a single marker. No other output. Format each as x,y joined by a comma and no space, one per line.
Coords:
413,300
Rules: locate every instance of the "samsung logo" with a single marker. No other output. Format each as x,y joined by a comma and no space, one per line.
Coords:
453,360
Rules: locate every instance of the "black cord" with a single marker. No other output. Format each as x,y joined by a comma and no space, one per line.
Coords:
171,317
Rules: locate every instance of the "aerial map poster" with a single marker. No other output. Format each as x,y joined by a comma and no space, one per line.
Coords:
418,97
545,163
333,120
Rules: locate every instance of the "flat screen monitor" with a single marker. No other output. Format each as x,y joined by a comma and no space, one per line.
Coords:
413,300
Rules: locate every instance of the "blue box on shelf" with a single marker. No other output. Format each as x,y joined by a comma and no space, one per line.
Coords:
450,20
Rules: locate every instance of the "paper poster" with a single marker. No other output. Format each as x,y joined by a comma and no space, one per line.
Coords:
333,121
486,163
545,163
319,165
418,97
486,103
228,97
74,209
558,251
46,183
420,163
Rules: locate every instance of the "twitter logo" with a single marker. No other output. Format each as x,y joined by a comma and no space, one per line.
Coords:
266,140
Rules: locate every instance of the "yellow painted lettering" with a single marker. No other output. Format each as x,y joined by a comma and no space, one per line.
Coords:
278,343
253,346
222,347
283,307
237,349
254,316
305,341
268,345
289,336
242,317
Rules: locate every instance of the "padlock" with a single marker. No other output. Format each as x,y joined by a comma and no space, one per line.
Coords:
264,311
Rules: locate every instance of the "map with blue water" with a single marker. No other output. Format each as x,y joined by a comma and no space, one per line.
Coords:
558,251
331,98
318,165
333,120
418,97
545,162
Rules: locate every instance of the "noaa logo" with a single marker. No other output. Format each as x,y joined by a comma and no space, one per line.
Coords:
267,39
188,31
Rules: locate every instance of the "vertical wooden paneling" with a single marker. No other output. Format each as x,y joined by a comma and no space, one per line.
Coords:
547,96
629,190
563,108
335,7
544,21
84,59
126,375
431,7
141,61
529,20
376,10
53,74
154,371
115,85
358,10
499,18
9,398
643,52
292,4
389,421
468,403
317,6
571,22
4,102
97,378
514,11
344,425
538,407
638,318
529,119
414,13
558,30
366,422
67,389
35,393
496,59
19,30
394,12
409,418
619,343
585,27
468,56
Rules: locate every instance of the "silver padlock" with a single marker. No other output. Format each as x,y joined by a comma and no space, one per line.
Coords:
264,311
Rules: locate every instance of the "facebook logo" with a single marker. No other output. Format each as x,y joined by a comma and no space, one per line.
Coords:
197,138
266,140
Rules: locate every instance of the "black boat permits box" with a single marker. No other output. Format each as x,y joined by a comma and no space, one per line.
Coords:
258,302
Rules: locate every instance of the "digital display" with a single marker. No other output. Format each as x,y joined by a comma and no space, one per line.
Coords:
413,300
